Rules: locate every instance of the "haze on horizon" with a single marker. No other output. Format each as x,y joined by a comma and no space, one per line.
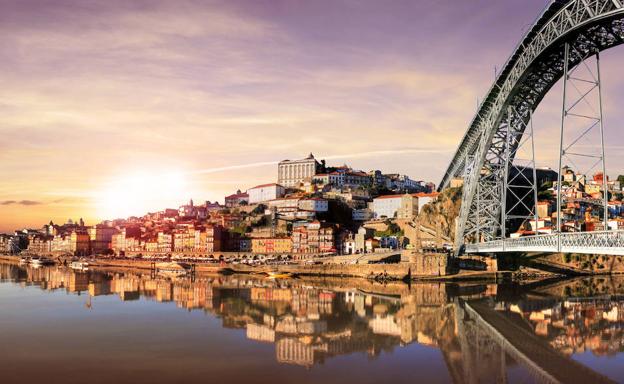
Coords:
146,104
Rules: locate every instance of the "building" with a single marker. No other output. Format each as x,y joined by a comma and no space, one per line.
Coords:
363,234
314,238
75,243
403,183
334,178
40,244
126,239
165,242
544,209
314,204
409,207
356,178
265,192
100,237
284,205
187,210
343,177
396,206
292,173
208,239
271,245
184,239
386,206
237,199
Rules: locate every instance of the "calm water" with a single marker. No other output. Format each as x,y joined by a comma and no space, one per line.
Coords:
60,326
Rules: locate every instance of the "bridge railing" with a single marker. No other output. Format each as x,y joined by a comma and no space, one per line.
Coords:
601,242
490,246
590,242
538,242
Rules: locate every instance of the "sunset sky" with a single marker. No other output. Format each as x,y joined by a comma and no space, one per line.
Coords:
109,108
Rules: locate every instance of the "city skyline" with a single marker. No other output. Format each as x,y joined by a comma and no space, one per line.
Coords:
102,102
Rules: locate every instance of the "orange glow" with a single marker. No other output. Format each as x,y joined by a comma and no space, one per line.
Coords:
137,194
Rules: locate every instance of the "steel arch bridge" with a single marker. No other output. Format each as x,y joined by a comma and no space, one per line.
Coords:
565,36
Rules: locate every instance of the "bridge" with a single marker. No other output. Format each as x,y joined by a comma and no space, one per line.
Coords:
496,157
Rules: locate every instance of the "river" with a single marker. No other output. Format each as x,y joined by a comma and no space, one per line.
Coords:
63,326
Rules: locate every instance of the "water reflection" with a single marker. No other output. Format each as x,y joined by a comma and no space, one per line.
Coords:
485,333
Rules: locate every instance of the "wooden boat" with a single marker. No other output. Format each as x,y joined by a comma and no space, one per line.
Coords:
279,275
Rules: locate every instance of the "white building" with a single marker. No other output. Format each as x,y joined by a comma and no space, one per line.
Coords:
265,192
292,173
314,204
386,206
284,204
403,206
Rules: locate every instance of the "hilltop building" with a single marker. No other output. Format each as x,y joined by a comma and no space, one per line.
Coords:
292,173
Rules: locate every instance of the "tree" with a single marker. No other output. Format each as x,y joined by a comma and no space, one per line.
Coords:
543,192
259,209
620,179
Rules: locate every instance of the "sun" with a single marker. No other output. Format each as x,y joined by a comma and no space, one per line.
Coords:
138,193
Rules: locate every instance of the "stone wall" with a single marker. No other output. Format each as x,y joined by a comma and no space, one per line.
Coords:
419,265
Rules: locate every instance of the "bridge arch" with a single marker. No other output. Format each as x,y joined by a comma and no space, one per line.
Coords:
535,66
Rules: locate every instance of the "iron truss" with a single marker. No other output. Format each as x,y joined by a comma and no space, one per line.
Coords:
587,26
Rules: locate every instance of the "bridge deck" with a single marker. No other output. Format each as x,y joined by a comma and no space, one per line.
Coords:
599,242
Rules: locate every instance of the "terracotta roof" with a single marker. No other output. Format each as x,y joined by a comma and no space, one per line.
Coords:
357,174
237,195
389,197
423,194
266,185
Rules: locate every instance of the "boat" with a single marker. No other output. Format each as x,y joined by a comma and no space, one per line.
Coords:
40,260
172,269
79,265
24,259
279,275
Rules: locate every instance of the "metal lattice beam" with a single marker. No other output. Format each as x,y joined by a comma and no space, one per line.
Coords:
534,67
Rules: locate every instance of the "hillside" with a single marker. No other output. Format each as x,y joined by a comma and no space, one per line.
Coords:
443,212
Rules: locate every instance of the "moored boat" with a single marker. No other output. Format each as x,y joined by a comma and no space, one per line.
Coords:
172,269
40,260
79,265
279,275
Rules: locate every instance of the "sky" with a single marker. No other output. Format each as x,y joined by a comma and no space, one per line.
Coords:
117,107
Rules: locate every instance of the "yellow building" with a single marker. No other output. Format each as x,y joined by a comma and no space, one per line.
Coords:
271,245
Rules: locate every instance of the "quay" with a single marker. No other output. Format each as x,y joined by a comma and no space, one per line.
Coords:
420,267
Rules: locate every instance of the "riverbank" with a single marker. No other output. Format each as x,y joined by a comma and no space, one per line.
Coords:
430,268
